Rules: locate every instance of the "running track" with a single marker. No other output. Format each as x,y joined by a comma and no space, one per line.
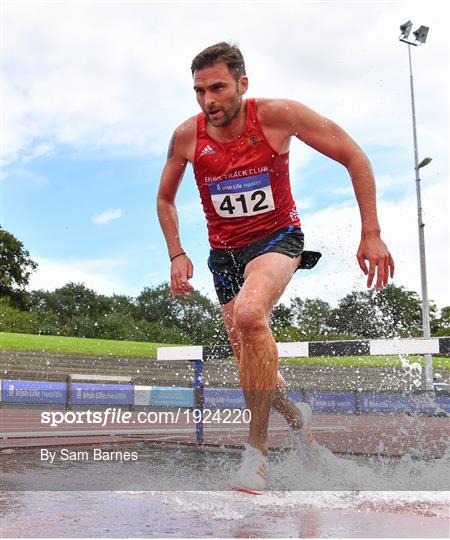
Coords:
382,435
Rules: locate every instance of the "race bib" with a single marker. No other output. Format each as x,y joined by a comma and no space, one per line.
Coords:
242,197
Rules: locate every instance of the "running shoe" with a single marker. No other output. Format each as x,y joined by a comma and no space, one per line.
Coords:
307,445
252,473
306,414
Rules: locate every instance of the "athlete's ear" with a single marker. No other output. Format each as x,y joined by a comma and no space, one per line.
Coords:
243,84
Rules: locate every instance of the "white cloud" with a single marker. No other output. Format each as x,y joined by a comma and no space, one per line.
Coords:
306,203
38,151
102,275
346,190
335,231
115,76
112,75
107,215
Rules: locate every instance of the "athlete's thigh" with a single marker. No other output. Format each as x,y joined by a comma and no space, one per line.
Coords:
265,279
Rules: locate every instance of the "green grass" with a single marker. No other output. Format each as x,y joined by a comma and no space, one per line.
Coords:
94,347
109,347
370,361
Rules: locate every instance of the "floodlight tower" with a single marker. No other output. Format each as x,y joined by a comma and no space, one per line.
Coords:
420,36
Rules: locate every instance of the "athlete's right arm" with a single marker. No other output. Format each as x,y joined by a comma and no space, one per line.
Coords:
181,266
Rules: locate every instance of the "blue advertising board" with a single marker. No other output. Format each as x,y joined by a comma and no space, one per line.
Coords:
101,394
331,402
233,398
17,391
170,396
224,398
444,402
423,403
14,391
384,403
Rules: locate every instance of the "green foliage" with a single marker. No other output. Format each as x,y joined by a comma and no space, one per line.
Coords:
76,310
283,334
16,266
311,316
49,325
108,326
281,324
119,326
441,325
15,320
393,312
167,335
195,317
74,299
281,316
155,304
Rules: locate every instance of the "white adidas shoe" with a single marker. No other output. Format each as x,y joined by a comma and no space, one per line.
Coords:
252,473
306,414
307,445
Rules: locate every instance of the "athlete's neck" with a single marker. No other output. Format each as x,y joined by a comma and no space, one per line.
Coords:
234,129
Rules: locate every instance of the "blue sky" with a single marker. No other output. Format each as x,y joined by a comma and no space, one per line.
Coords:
93,90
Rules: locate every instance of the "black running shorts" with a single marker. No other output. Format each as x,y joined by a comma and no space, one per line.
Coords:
228,265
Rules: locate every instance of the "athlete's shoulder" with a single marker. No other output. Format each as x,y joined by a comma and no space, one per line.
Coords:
286,114
187,129
273,108
184,136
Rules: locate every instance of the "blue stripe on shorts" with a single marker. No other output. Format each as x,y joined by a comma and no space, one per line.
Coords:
278,238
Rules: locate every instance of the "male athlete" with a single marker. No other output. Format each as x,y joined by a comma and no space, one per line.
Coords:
239,150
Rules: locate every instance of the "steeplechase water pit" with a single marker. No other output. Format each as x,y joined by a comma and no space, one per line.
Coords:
182,489
162,494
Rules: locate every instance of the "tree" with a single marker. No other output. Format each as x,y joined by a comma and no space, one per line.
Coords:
155,305
393,312
16,267
73,299
281,316
120,303
441,325
311,317
281,322
196,317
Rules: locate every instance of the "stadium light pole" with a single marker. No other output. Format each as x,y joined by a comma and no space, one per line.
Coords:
420,36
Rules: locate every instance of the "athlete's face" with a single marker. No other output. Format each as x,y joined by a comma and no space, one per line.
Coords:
218,93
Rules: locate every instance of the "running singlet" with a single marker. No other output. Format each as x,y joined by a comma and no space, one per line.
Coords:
244,185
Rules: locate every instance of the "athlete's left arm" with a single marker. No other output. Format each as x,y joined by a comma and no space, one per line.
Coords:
331,140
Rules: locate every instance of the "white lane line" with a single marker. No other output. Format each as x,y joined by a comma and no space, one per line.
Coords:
208,428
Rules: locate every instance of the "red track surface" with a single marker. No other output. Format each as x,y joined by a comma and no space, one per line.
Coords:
384,435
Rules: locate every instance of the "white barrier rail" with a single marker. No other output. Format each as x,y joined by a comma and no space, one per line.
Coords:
302,349
360,347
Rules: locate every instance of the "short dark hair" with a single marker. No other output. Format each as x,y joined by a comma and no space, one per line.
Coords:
221,52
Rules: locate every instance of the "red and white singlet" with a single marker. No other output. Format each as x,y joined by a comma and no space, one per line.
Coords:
244,185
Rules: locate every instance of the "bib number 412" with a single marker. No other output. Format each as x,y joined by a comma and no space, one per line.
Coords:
249,203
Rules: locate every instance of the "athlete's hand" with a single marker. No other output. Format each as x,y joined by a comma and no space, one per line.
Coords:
181,271
381,263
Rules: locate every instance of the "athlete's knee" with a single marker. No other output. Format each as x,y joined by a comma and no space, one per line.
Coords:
249,318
